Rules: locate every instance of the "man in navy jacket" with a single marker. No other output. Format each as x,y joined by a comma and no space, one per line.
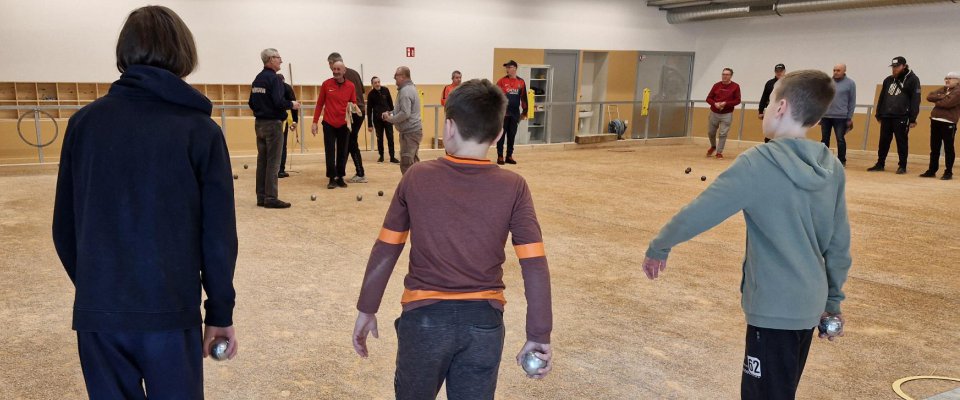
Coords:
270,107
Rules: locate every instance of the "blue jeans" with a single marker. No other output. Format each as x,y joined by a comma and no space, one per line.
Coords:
840,126
138,365
459,342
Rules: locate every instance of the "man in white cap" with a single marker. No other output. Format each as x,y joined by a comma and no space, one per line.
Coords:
943,125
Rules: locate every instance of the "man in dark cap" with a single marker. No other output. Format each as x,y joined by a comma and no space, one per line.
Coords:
897,111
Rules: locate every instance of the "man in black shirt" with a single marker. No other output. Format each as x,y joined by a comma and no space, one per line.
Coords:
379,102
289,125
778,71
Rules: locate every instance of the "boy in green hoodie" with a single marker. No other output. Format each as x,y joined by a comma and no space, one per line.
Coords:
791,192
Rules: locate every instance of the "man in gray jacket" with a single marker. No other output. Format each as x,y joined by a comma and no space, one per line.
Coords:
791,192
406,117
839,116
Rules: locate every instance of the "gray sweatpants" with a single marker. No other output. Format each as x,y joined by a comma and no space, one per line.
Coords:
269,150
409,145
719,123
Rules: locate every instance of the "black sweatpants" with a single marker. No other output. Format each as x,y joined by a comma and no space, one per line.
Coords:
283,156
942,133
890,128
335,150
509,134
355,143
773,362
384,128
459,342
141,365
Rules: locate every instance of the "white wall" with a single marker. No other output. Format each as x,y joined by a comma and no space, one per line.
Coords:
866,40
60,40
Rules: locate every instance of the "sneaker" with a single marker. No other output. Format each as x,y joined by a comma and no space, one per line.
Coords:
711,150
341,183
928,174
719,156
332,184
901,170
500,161
875,167
380,160
394,160
946,176
276,204
259,203
282,174
358,179
510,160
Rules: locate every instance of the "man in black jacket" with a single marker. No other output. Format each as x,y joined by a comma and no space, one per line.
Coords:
379,102
270,109
289,125
897,111
778,71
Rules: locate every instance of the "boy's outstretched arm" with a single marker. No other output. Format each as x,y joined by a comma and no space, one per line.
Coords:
729,194
383,258
528,244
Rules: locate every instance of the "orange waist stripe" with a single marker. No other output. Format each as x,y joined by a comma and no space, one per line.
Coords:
410,296
393,237
530,250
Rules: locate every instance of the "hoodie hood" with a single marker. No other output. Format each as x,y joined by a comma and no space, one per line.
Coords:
147,81
808,164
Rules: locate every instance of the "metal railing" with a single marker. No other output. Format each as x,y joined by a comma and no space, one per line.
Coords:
39,113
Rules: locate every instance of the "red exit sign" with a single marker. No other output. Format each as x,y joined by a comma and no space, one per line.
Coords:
411,52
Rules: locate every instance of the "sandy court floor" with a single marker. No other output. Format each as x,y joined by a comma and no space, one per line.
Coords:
617,335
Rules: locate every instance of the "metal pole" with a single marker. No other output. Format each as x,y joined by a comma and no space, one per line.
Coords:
866,127
436,127
659,118
646,126
223,122
686,121
36,124
743,113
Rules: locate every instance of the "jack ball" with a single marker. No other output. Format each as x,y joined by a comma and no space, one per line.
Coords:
703,178
245,166
313,197
359,197
380,193
687,171
235,176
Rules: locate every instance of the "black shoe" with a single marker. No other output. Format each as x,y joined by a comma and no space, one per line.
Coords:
901,170
843,163
928,174
394,160
500,161
332,184
259,203
341,183
946,176
876,167
380,159
510,160
276,204
282,174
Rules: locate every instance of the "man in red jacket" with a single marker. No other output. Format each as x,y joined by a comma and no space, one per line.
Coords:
724,97
335,94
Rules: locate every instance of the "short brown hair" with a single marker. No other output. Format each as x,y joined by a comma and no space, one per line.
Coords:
809,93
477,107
156,36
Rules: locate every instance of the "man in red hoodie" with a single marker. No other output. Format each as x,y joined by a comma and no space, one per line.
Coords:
724,97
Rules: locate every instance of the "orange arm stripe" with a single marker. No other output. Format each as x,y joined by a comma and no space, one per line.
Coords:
410,296
393,237
530,250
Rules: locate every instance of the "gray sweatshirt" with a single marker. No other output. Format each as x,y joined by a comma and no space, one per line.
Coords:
406,116
845,101
791,192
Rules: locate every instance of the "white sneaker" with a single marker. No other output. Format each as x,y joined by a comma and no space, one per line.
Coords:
358,179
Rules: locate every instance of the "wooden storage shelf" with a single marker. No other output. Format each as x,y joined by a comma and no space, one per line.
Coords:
29,94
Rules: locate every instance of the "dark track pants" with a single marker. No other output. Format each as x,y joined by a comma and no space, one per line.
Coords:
942,133
138,365
773,362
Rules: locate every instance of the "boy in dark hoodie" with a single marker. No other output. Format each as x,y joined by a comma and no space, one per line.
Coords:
897,111
791,192
144,219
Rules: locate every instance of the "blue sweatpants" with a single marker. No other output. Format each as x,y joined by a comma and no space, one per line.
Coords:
141,365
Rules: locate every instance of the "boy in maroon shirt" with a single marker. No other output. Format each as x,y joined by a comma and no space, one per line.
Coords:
458,211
